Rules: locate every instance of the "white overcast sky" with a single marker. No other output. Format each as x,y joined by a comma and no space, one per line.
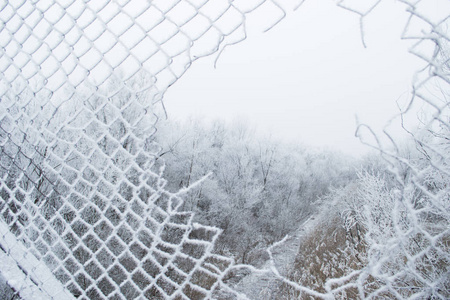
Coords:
307,78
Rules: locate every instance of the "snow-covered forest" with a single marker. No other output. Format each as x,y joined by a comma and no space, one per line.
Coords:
103,196
338,207
340,213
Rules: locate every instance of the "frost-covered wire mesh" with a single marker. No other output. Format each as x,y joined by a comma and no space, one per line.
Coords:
83,208
406,229
84,212
408,232
409,255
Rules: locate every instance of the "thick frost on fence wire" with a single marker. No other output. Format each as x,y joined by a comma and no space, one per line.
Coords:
408,234
84,210
83,207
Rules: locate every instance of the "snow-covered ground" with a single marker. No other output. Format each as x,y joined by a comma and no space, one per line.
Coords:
264,285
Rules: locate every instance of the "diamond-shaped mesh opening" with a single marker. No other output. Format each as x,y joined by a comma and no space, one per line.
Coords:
58,225
128,262
115,246
145,238
154,293
51,262
80,228
82,254
126,191
193,250
93,294
141,280
203,279
193,293
151,268
74,290
173,235
92,243
166,285
138,251
105,258
83,281
49,237
103,230
93,270
71,265
185,264
105,286
62,275
60,251
175,275
90,215
129,291
113,216
117,274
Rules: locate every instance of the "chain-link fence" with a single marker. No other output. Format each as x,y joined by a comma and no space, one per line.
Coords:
83,205
84,211
411,258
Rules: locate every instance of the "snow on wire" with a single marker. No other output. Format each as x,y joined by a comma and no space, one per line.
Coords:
82,193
